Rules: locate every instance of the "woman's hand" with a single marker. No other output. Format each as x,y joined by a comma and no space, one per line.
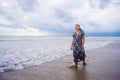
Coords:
82,46
83,41
72,44
71,48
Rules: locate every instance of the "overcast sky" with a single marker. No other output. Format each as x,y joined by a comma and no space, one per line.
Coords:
56,17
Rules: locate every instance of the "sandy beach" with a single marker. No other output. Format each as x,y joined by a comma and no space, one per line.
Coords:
102,64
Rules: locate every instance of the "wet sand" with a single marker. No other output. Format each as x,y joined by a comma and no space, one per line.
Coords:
102,64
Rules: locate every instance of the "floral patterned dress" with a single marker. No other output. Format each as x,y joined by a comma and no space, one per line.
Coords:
78,51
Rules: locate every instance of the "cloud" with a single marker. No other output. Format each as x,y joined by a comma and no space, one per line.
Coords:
60,16
4,21
27,5
27,31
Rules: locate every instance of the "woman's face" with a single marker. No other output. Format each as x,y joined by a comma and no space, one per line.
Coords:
77,27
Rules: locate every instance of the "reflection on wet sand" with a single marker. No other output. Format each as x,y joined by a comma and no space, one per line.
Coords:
79,73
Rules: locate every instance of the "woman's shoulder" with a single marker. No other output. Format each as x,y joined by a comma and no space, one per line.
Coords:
74,33
82,32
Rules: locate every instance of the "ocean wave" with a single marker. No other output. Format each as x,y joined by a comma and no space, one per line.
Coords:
16,55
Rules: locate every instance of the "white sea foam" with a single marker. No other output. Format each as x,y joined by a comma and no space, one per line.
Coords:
20,52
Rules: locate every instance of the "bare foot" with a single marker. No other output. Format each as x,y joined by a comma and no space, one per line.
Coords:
84,63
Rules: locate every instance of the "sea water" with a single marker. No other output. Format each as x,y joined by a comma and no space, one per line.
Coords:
20,52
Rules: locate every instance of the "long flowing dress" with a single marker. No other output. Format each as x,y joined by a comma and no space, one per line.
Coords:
78,51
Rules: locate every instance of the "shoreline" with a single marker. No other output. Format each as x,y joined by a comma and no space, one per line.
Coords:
24,67
104,66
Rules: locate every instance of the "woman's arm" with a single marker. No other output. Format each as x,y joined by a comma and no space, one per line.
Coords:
83,41
72,43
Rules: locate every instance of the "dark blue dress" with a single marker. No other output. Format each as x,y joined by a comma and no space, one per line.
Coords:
78,51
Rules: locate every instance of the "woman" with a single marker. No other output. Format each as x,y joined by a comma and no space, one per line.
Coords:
78,45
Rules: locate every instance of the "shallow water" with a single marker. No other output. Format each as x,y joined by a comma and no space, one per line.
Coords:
19,52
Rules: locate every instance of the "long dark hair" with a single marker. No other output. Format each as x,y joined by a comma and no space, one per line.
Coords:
78,26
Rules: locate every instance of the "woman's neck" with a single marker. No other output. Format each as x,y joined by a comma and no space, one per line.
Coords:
77,30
